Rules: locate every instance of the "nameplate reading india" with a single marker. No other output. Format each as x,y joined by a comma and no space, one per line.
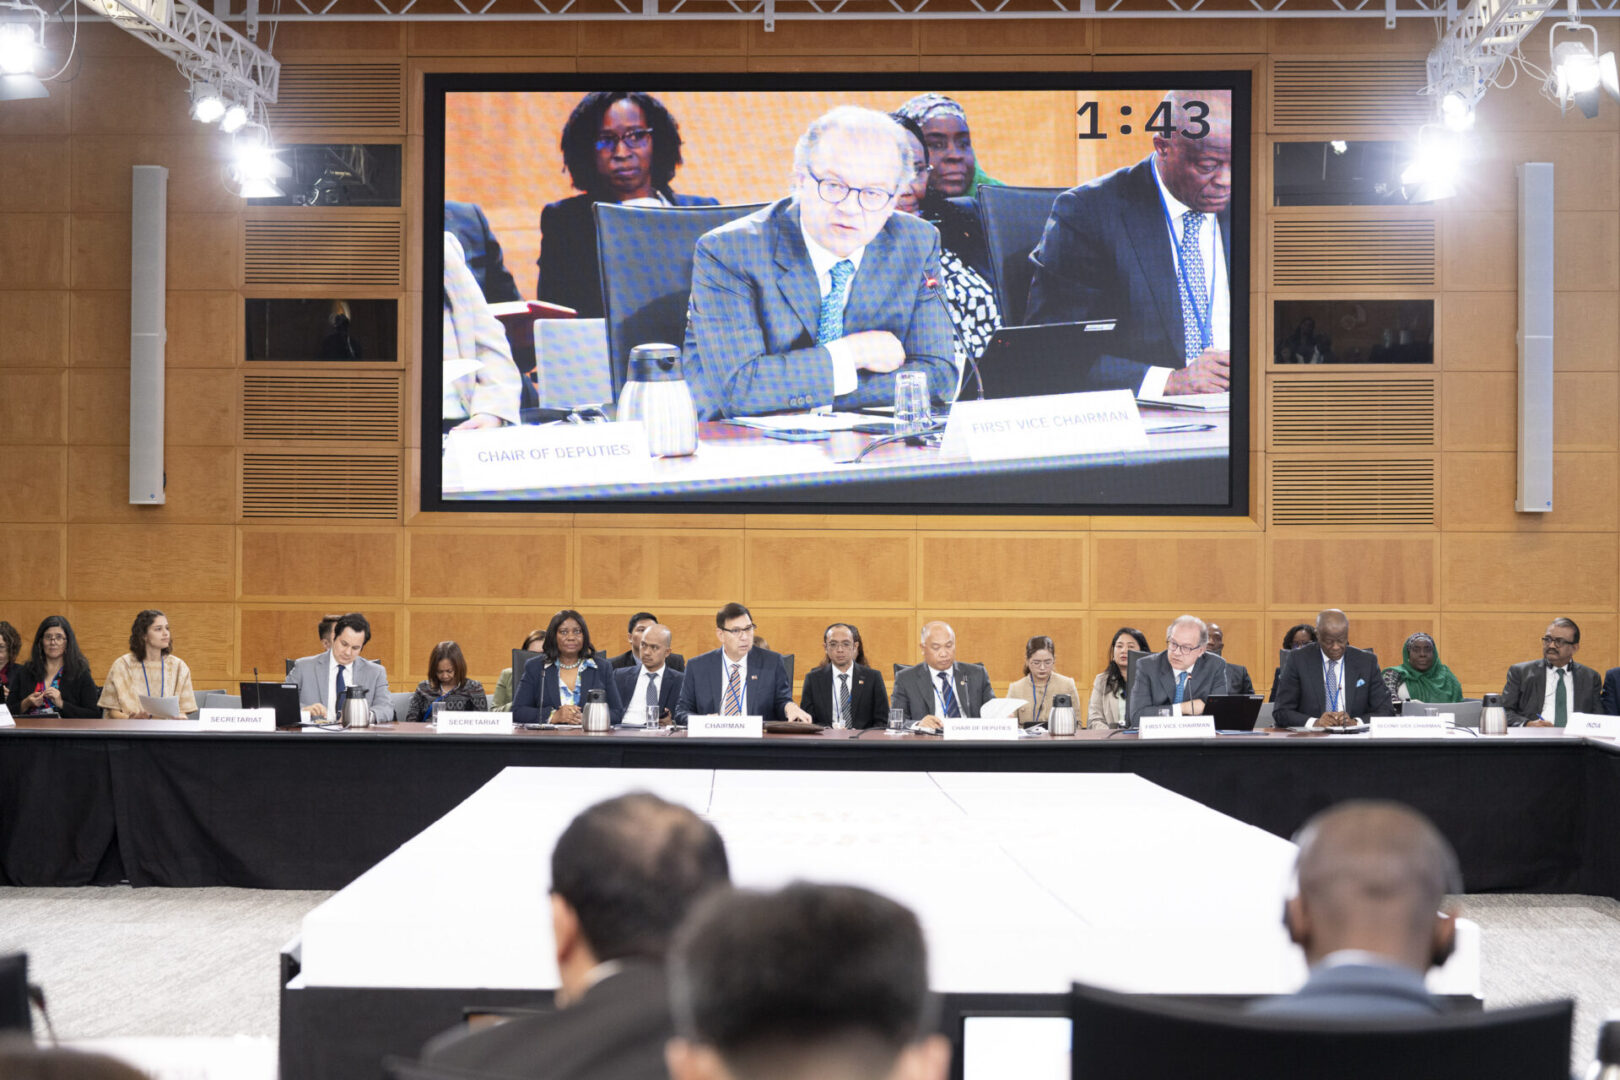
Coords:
474,723
1408,727
1055,425
725,727
236,720
1584,724
980,728
1178,727
547,456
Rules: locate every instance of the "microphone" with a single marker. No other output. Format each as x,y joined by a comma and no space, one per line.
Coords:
931,283
258,690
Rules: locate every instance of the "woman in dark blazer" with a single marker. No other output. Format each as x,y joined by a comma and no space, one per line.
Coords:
556,684
618,146
56,679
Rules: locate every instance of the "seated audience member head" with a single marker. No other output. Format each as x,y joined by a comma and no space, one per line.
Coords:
324,629
619,145
1198,172
1040,657
945,135
734,628
10,645
149,637
1419,651
568,639
623,875
638,626
812,982
847,169
842,644
1127,640
22,1059
938,643
656,640
55,643
1217,639
1372,877
1299,636
915,189
1333,633
1561,642
447,667
535,641
350,634
1185,641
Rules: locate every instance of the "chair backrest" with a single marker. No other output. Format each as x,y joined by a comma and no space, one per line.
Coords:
646,257
289,661
1264,720
787,662
1119,1036
402,705
225,701
1013,219
898,668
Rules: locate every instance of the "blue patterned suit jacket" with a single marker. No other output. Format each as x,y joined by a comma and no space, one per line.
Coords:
751,324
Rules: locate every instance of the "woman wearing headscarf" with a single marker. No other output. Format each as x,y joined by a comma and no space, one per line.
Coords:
953,173
1420,675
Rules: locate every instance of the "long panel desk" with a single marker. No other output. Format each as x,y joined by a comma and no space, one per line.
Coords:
159,803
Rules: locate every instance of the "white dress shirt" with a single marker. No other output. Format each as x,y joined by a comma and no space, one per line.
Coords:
845,378
639,700
1209,246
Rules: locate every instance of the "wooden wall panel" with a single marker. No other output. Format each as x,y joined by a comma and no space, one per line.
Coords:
203,328
1479,411
204,637
1480,251
101,167
998,570
1044,37
487,637
1523,572
808,37
1588,247
34,405
504,39
1477,493
199,407
490,567
1479,330
633,38
1383,634
34,561
151,564
661,567
1310,573
1495,644
101,252
1164,37
204,251
271,635
1248,641
997,641
201,487
335,569
1193,571
36,329
131,94
1586,332
34,173
34,251
830,568
35,484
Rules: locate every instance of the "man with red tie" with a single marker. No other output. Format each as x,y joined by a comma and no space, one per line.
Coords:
737,679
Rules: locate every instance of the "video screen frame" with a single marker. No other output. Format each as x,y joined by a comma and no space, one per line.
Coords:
930,499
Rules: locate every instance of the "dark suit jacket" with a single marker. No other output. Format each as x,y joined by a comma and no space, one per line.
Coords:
1527,686
570,273
1238,679
539,694
669,687
868,697
1106,254
616,1031
79,693
765,690
1611,692
1155,683
751,323
483,252
1302,689
1355,991
628,659
914,690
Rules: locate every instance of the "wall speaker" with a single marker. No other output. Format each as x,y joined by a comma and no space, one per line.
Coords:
1535,338
147,334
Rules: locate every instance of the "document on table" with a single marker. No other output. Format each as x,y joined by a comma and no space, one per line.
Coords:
1221,402
162,708
806,421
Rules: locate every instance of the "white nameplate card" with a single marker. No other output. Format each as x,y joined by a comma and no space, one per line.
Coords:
551,455
1410,727
473,723
725,727
980,727
237,720
1177,727
1053,425
1582,724
5,716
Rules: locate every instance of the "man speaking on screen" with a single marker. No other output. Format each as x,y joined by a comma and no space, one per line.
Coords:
818,299
1150,246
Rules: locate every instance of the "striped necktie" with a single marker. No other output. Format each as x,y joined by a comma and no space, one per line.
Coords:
733,702
947,695
843,698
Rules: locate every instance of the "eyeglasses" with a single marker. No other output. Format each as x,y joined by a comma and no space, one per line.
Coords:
54,639
840,644
1546,639
749,629
834,191
1178,648
1040,663
634,139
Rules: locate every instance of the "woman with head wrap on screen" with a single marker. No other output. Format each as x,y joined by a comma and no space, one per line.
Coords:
1420,676
618,146
953,173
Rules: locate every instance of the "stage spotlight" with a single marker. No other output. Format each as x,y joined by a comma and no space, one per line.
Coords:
235,116
1580,73
207,106
1340,146
1457,112
1432,172
255,167
19,49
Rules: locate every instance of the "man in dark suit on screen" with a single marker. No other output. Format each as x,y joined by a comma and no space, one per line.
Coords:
819,298
939,687
653,681
737,679
1150,246
1184,676
1329,684
623,875
1543,693
844,686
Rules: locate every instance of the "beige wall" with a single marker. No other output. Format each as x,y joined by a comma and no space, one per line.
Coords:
245,592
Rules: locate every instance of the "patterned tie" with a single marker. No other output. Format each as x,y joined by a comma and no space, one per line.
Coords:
830,323
1181,687
341,686
1333,686
844,711
1560,703
652,690
947,695
733,702
1194,289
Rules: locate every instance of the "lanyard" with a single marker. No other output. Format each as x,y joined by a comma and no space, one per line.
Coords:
1042,699
1205,318
162,674
1332,685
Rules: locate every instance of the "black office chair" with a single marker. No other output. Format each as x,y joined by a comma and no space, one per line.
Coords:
1013,219
787,662
645,253
1124,1036
289,662
14,1013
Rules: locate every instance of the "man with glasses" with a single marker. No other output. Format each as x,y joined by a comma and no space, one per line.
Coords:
736,679
939,688
1329,684
818,299
1182,677
842,691
1543,693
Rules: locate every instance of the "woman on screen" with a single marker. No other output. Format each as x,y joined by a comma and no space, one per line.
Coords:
942,126
1107,706
148,670
1040,683
446,684
1420,676
56,679
502,701
556,691
618,146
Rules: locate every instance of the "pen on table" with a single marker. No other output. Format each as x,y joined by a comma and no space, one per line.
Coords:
1172,428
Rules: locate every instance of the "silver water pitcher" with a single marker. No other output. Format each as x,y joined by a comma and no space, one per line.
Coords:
1061,721
656,394
1492,717
597,717
356,709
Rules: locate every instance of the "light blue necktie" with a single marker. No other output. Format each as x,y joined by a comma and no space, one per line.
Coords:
1181,688
1194,289
830,323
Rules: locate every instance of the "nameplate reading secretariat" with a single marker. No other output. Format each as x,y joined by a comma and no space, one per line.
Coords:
1054,425
236,720
980,727
1177,727
551,455
1409,727
1583,724
474,723
725,727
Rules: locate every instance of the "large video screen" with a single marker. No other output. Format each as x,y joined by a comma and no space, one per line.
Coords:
825,293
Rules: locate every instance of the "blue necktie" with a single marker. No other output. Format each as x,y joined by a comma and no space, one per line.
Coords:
652,690
947,695
830,323
1194,289
1181,687
341,686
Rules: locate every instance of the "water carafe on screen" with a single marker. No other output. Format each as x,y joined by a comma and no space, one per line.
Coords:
657,395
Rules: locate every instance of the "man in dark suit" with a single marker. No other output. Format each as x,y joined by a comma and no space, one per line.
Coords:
939,687
1611,691
818,299
481,250
653,681
844,692
1329,684
1543,693
737,679
623,875
1372,879
1183,676
632,656
1107,253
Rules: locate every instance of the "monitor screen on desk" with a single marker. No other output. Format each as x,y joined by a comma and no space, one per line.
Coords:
825,281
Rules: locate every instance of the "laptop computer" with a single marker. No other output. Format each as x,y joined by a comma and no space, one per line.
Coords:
1234,712
1029,361
283,697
